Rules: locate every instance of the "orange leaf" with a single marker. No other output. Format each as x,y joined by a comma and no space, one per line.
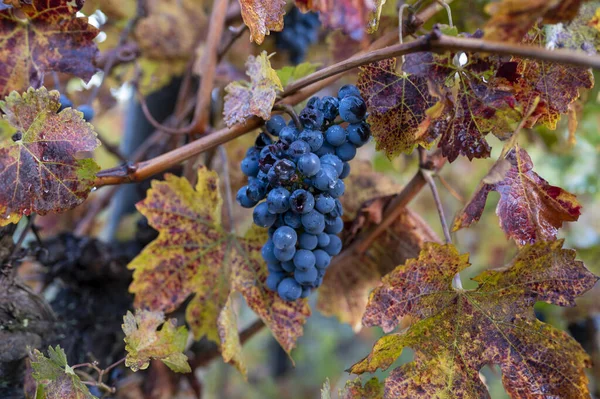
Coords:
261,17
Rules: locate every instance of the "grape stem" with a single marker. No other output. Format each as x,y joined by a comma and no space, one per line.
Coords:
288,109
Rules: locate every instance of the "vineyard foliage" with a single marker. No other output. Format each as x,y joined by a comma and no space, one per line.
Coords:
481,93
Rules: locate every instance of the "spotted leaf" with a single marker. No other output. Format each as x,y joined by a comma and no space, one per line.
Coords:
261,17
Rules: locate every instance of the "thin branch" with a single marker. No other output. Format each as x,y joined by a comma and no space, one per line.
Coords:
235,33
427,175
288,109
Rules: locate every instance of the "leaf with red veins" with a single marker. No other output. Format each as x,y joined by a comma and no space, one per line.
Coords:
397,104
472,103
556,85
455,332
262,16
194,256
529,208
42,167
50,38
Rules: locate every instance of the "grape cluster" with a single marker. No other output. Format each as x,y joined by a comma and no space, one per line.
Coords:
299,32
301,177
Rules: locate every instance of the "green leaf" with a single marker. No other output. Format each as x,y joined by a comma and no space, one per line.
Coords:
289,74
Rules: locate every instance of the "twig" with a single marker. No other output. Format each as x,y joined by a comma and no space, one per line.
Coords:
450,189
288,109
22,236
236,33
427,175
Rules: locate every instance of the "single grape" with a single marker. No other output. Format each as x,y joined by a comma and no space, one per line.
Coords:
314,138
87,111
301,201
338,189
278,200
325,149
348,90
284,255
324,203
323,240
266,160
306,277
353,109
308,241
336,227
65,102
335,245
306,291
325,178
322,258
261,215
285,237
292,219
274,267
335,135
297,149
311,118
288,266
285,170
262,140
359,133
329,108
309,164
304,259
338,209
275,124
346,152
346,171
289,289
249,166
313,222
334,161
267,252
252,152
273,280
288,135
242,198
256,191
313,103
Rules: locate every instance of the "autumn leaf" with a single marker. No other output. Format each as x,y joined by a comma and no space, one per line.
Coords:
512,19
472,102
557,86
529,208
289,74
194,256
397,103
456,332
261,17
231,347
245,99
143,342
354,389
42,168
52,38
55,378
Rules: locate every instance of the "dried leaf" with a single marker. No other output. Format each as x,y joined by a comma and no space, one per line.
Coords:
289,74
457,332
55,378
261,17
529,208
194,255
397,104
52,38
245,99
373,389
231,347
41,166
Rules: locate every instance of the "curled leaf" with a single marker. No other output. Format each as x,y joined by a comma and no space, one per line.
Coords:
261,17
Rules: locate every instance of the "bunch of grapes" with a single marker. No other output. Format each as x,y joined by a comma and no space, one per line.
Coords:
299,32
301,177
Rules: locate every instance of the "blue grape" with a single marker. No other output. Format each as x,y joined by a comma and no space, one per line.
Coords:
65,102
278,200
353,109
306,291
329,107
262,217
314,138
325,149
322,258
292,219
348,90
335,245
275,124
297,149
336,227
309,164
289,289
285,237
252,152
306,277
308,241
256,191
304,259
346,171
242,198
288,266
313,222
283,255
338,189
262,140
87,111
311,118
284,169
334,161
359,133
274,267
299,32
301,201
346,152
249,166
325,178
288,135
313,103
274,279
323,240
335,135
267,252
338,209
324,203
